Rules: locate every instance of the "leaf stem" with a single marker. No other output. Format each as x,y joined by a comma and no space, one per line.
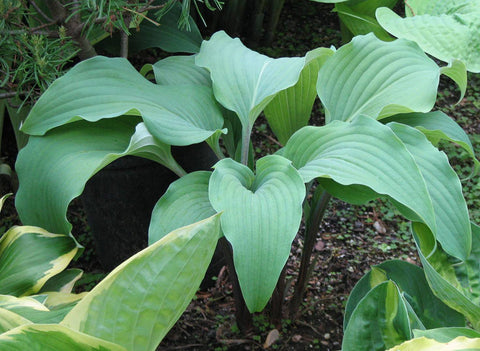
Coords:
319,204
246,131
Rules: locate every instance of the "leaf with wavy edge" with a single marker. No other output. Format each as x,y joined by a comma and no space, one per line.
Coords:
70,156
245,81
377,79
367,153
446,30
185,202
438,126
445,190
291,108
140,300
261,216
103,87
362,152
52,337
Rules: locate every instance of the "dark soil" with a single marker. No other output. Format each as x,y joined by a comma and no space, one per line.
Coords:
350,239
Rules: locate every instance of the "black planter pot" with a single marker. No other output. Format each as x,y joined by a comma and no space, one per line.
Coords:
120,198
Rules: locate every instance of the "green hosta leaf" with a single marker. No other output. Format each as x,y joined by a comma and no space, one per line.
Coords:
363,152
457,71
379,321
437,126
245,81
261,216
71,155
378,79
445,29
104,87
290,109
424,344
410,280
455,283
137,303
50,337
185,202
63,281
179,70
10,320
29,256
359,17
446,334
445,189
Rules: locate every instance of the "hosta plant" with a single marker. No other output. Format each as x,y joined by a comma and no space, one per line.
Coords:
131,309
378,141
398,305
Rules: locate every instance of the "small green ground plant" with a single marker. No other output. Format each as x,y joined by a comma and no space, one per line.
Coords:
379,141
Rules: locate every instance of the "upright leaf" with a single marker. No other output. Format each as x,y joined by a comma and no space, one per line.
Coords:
411,281
379,321
291,108
377,79
261,216
245,81
140,300
104,87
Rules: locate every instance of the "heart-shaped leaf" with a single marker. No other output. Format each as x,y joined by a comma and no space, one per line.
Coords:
140,300
377,79
261,216
245,81
110,87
